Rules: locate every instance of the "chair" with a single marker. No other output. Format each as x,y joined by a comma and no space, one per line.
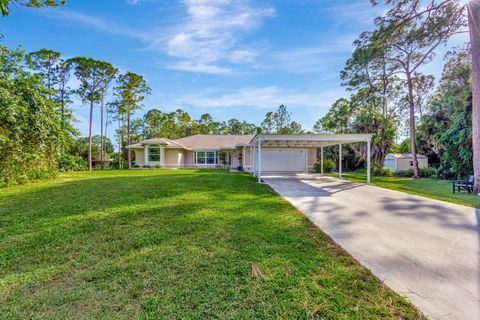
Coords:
466,184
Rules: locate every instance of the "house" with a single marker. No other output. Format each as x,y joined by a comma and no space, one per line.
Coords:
404,161
251,153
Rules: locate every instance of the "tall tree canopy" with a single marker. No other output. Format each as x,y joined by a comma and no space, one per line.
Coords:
94,77
280,122
130,91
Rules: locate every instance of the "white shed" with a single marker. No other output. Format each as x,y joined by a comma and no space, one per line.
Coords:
404,161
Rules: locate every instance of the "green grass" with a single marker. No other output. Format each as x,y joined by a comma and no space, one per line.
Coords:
174,244
430,188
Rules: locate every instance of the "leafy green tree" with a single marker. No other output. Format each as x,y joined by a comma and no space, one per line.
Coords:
4,4
280,122
337,119
446,129
131,90
80,147
31,133
94,77
205,125
55,73
411,39
45,62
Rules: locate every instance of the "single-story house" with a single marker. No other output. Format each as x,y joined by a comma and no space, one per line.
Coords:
251,153
404,161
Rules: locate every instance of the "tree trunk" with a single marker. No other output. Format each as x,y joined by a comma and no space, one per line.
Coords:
411,107
90,138
101,134
105,139
129,156
120,141
474,26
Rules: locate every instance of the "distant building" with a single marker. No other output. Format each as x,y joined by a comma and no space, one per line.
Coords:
404,161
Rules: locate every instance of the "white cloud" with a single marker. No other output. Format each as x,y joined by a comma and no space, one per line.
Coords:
263,98
198,67
209,37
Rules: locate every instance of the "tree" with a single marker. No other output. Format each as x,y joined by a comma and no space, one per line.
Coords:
337,120
45,62
80,147
94,77
55,73
30,123
280,122
446,129
411,43
131,90
4,4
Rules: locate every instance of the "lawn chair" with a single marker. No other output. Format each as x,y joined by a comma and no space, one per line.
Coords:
466,184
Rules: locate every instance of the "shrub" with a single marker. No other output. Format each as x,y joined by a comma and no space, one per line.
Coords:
423,172
68,163
404,173
328,166
428,172
383,172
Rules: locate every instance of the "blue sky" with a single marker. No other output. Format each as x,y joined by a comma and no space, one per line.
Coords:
230,58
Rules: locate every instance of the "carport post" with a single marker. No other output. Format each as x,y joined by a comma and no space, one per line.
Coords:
368,160
243,159
340,160
321,160
259,161
252,150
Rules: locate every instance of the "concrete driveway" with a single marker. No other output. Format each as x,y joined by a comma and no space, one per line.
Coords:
424,249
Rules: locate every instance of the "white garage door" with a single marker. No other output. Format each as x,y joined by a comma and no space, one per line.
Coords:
283,160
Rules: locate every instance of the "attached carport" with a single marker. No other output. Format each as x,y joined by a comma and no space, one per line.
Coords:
290,152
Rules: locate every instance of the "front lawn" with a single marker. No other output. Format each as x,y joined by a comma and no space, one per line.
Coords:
430,188
174,244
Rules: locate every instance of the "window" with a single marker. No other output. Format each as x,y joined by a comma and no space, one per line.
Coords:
200,157
153,154
206,157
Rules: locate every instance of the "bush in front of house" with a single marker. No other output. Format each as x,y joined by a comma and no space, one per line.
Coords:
328,166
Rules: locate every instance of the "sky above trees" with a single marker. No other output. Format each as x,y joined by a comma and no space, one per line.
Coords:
232,59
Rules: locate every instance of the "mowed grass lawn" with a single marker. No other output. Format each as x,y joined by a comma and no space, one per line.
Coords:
430,188
174,244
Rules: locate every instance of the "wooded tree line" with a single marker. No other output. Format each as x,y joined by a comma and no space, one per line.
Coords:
389,90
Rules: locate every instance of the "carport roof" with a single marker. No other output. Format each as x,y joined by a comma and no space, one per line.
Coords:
308,140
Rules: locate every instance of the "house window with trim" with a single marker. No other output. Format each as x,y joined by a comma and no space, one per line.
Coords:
154,154
206,157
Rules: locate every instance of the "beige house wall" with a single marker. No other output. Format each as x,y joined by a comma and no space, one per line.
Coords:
172,157
139,157
189,157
